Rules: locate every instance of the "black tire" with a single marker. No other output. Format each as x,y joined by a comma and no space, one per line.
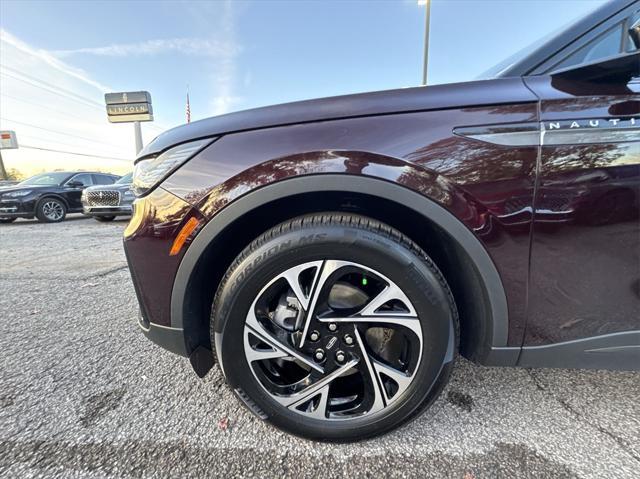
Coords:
342,237
45,208
7,220
104,219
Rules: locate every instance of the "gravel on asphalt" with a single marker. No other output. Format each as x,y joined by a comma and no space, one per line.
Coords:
84,394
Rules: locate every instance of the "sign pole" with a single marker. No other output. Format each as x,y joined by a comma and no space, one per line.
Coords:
8,140
130,107
3,172
138,133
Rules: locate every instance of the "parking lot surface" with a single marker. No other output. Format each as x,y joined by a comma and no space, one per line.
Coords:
84,394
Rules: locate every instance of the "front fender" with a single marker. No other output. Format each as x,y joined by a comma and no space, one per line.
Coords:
330,162
497,331
482,186
57,196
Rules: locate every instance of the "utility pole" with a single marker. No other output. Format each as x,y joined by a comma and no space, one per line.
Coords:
427,4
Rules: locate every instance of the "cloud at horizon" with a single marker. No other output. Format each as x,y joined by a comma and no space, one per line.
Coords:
186,46
58,113
56,107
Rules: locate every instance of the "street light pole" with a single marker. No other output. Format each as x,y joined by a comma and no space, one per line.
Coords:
427,4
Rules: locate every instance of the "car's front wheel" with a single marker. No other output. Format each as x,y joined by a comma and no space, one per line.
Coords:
51,210
335,327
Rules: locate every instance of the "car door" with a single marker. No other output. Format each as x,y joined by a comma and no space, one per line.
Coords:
584,288
73,193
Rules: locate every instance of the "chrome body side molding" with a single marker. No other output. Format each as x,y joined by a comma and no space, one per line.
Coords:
564,132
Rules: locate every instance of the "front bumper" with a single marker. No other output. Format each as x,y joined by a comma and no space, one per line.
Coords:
157,219
171,339
16,208
107,210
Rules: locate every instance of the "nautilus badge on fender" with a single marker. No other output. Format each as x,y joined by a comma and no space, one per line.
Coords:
556,132
590,130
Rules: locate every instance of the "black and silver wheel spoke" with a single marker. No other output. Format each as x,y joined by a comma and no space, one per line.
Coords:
326,270
333,340
278,348
293,278
318,391
401,380
376,396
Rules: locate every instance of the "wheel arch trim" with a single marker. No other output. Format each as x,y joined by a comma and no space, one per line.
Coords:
56,196
371,186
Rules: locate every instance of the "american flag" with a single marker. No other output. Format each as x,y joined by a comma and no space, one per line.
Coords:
188,109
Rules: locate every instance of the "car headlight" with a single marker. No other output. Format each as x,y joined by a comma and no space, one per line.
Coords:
17,194
148,172
129,194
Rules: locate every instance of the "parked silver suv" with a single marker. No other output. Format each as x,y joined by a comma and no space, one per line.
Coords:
105,202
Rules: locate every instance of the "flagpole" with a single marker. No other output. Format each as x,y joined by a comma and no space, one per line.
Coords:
188,109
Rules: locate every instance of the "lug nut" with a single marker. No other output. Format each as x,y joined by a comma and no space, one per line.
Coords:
340,357
314,336
332,327
319,355
348,340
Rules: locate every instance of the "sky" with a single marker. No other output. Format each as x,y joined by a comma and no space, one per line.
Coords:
58,58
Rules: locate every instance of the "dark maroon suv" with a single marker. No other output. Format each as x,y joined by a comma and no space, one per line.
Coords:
334,256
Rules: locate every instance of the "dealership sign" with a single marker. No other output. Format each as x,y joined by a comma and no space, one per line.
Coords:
129,106
8,140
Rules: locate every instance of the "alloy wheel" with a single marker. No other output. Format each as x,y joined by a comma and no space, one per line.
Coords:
53,210
333,340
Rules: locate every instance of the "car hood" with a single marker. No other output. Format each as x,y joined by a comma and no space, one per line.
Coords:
12,188
477,93
111,187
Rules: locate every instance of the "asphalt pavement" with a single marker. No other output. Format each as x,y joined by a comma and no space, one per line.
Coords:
84,394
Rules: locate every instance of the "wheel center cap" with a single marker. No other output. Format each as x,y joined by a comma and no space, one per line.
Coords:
332,342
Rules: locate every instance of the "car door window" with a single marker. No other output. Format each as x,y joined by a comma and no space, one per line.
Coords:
103,179
614,41
606,45
632,44
84,178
